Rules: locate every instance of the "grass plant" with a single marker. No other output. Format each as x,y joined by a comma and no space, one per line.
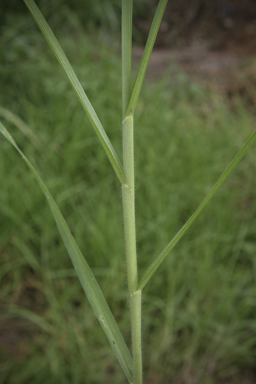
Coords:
132,366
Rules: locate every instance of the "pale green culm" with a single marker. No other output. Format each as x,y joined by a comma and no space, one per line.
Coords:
124,170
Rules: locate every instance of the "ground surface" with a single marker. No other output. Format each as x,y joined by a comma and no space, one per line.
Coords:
213,41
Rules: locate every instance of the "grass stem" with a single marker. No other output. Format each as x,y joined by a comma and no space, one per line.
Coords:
136,336
128,194
126,53
129,204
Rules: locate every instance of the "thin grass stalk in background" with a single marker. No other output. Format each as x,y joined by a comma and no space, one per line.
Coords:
16,120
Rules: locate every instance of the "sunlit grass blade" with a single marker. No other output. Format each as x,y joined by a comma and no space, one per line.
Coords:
146,55
61,57
158,261
126,52
85,275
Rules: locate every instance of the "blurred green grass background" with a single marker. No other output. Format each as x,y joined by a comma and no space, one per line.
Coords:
199,310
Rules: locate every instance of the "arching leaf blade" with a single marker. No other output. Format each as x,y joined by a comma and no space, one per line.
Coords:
159,259
64,62
84,273
146,56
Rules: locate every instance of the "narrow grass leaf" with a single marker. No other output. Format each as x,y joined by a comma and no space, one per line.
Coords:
158,261
85,275
32,317
146,55
126,52
61,57
16,120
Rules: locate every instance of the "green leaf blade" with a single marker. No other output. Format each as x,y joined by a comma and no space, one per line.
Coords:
146,56
64,62
85,275
159,259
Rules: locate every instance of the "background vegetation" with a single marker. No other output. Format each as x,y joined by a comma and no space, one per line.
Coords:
199,313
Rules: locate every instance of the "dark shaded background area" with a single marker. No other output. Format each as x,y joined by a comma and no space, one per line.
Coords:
224,24
214,40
